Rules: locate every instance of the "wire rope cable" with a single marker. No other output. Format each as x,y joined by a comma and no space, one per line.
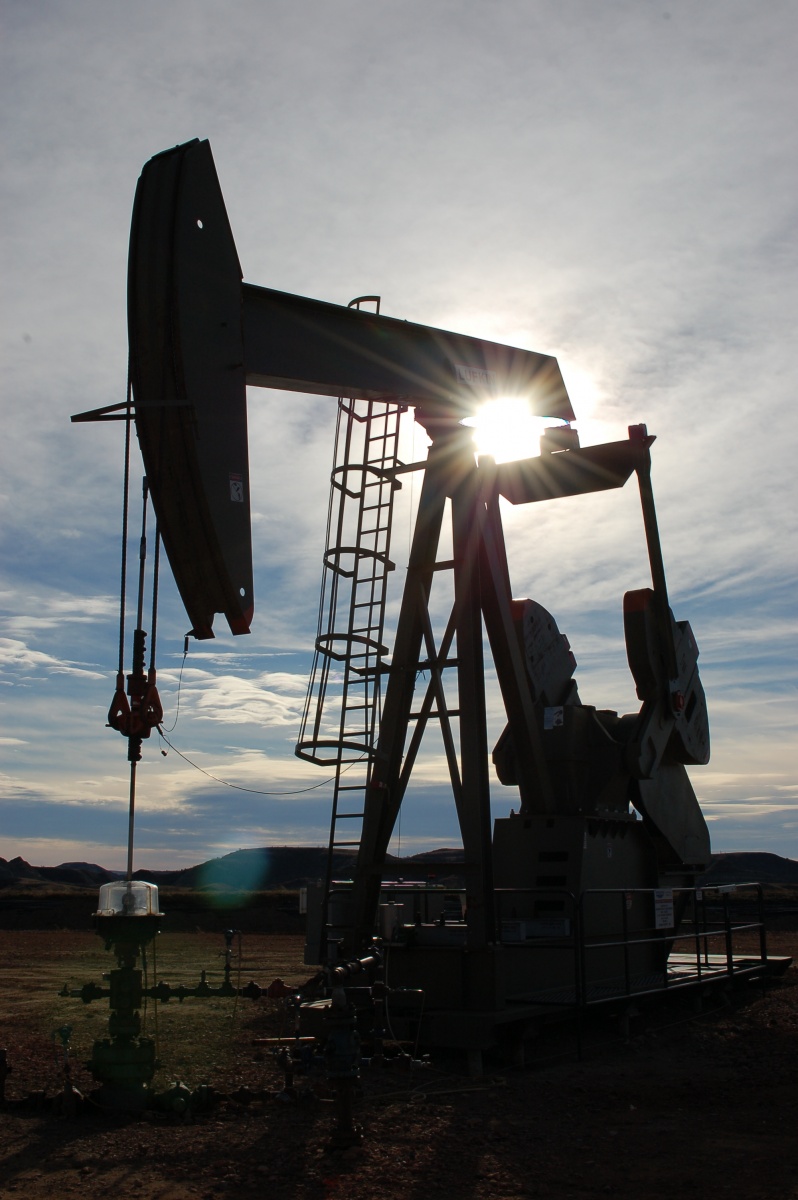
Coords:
238,787
125,513
155,578
171,728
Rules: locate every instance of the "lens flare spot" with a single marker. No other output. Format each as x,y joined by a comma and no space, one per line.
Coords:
226,880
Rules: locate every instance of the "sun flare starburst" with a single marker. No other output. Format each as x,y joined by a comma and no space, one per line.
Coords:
506,429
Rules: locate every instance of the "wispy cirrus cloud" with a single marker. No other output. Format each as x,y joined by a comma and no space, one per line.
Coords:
261,701
22,664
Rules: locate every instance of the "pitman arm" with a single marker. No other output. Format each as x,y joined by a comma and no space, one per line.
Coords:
663,657
673,718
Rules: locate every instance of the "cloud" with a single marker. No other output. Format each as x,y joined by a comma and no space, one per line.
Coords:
592,181
265,699
23,663
54,612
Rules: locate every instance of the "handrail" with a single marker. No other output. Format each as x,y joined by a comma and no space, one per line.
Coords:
705,915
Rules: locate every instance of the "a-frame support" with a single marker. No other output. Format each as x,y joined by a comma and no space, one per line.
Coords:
481,592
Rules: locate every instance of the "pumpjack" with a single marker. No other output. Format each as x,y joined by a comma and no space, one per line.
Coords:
559,896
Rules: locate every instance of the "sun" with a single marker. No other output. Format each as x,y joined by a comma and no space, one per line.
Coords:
506,430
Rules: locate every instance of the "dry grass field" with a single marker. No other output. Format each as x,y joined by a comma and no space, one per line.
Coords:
689,1105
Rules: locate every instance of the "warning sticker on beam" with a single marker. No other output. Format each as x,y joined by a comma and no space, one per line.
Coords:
553,718
663,908
237,488
476,376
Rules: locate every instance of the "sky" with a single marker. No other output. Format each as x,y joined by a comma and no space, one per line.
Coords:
614,184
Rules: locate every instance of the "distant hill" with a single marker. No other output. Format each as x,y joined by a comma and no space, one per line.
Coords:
253,870
292,866
11,872
752,867
80,874
247,870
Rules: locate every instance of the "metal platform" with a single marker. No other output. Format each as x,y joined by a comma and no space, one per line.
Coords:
521,1018
684,971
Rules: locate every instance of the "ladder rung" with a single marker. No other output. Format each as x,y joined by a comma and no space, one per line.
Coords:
449,712
340,845
352,787
346,816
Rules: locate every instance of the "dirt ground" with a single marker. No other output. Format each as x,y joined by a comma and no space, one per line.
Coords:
681,1104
